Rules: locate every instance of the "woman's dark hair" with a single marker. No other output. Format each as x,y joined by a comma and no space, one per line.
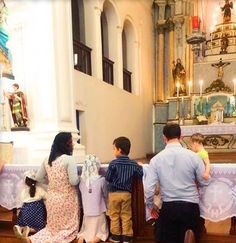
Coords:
123,144
60,146
32,185
172,130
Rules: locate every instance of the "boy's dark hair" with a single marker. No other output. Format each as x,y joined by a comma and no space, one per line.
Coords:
171,131
32,185
123,144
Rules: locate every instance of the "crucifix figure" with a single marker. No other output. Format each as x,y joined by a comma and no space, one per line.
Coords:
220,67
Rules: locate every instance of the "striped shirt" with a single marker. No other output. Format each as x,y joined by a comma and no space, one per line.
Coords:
121,172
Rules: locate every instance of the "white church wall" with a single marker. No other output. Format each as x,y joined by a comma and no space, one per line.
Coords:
107,110
43,65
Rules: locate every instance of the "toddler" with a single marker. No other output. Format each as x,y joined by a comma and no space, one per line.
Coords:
196,145
32,215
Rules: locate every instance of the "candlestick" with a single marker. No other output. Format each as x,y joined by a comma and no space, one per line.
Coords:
200,83
182,107
189,87
177,87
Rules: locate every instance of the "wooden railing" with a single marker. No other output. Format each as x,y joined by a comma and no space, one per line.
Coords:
107,66
127,80
82,57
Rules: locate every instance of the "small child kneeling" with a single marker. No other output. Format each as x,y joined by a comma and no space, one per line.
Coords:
32,215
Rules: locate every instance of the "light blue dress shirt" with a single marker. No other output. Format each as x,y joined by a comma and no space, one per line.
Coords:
178,171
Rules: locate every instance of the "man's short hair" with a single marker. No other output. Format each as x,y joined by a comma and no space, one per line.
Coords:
171,131
123,144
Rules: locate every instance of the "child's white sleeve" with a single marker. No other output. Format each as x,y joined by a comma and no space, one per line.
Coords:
72,172
41,174
41,193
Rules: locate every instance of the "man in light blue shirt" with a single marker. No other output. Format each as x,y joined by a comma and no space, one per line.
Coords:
178,171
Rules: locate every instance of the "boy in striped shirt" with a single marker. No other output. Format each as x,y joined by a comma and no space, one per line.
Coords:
120,174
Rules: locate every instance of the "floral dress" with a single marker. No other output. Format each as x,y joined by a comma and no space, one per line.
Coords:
62,206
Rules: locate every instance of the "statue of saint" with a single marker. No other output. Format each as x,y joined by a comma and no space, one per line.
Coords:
5,54
179,76
227,11
18,106
224,43
220,67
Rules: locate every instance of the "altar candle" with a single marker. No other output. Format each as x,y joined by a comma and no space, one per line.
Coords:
189,87
200,83
234,86
177,86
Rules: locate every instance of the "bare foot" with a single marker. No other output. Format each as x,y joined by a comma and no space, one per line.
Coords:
17,231
80,240
96,240
26,240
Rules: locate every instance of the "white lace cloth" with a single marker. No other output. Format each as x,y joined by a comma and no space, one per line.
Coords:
218,200
221,128
11,183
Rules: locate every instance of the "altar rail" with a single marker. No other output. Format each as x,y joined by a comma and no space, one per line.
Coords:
218,200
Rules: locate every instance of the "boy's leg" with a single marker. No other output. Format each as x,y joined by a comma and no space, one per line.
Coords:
126,217
114,204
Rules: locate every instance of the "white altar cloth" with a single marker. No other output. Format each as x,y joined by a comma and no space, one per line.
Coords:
218,199
11,183
210,129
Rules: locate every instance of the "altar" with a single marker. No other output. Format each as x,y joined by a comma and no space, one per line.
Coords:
217,200
219,140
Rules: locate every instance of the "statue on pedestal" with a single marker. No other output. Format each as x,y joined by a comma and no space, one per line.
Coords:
224,43
227,11
5,55
18,107
179,76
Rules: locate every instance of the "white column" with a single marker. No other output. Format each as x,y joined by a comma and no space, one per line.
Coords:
93,36
179,53
46,75
119,59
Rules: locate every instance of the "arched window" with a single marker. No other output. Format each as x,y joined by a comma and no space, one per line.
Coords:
129,55
82,53
109,23
104,29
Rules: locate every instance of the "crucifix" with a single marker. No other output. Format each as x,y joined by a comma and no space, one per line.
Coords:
220,67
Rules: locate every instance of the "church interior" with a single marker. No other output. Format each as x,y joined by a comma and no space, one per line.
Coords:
101,69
